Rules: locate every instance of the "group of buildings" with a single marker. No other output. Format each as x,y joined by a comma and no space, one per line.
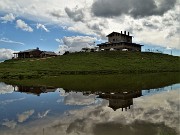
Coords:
120,42
116,42
117,100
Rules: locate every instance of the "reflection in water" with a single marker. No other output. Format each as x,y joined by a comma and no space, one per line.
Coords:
37,90
116,99
120,100
48,110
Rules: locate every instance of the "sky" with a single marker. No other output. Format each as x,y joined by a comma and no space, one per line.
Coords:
60,25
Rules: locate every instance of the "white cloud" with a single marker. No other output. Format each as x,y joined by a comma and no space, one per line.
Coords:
8,101
25,115
62,92
59,41
4,88
161,28
74,98
168,48
10,124
75,43
44,114
22,25
8,18
6,54
41,26
6,40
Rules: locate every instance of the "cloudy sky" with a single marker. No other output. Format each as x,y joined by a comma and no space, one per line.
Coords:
60,25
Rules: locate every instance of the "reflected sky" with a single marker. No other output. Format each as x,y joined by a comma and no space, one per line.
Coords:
55,111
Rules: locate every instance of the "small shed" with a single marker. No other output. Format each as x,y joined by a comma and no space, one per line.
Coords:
48,54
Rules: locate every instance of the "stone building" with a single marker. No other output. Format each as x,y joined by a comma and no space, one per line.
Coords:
119,41
34,53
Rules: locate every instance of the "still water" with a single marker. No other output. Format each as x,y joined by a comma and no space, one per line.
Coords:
27,110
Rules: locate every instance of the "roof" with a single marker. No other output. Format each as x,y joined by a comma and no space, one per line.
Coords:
110,43
29,50
112,33
26,51
49,53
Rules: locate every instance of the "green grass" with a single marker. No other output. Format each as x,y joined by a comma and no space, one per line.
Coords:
90,63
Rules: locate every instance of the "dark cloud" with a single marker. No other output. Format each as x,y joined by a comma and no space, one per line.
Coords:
136,128
94,26
107,8
97,27
75,14
134,8
77,126
56,13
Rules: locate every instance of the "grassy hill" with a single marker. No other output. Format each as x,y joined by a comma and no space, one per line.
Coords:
90,63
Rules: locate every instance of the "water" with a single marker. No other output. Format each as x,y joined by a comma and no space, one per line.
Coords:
45,110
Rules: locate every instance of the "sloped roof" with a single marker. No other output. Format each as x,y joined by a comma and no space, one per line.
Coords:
49,53
29,50
112,33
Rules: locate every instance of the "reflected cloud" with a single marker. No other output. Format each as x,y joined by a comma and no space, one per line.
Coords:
8,101
4,88
136,128
25,115
60,101
62,92
150,114
44,114
10,124
158,111
77,98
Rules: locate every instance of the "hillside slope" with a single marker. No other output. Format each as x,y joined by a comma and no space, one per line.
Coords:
90,63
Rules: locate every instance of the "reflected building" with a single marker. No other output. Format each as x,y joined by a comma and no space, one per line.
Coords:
122,100
36,90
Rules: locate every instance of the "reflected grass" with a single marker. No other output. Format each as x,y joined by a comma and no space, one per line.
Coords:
123,82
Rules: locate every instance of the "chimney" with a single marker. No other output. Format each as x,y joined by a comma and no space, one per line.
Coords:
125,32
121,32
128,33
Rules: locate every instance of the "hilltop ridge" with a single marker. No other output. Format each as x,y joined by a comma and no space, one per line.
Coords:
115,62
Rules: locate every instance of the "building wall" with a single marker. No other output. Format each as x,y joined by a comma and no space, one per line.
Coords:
32,54
120,38
120,46
35,54
23,55
46,55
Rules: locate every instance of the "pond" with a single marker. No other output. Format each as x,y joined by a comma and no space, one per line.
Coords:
50,110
